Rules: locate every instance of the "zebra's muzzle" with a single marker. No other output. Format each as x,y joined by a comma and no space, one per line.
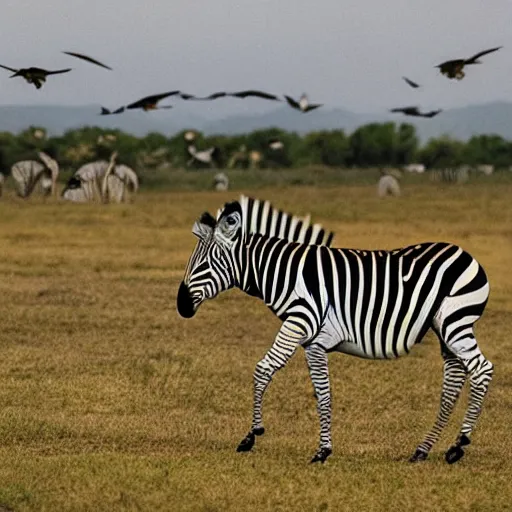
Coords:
184,303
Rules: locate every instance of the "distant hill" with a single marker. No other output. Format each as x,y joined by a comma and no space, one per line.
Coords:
460,123
58,119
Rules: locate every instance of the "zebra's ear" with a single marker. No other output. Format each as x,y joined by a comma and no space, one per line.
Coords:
204,227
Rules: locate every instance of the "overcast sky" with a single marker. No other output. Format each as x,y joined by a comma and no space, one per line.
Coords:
343,53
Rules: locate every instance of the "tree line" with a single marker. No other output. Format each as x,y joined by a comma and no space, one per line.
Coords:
371,145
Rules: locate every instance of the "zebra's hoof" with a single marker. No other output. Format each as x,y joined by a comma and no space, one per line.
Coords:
247,443
454,454
418,456
321,455
258,431
464,440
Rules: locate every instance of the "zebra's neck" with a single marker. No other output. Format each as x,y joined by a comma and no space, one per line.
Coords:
254,261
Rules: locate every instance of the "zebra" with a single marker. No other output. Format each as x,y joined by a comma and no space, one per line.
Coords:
101,180
118,182
28,173
371,304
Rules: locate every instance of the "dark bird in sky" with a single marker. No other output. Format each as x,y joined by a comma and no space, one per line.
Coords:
215,95
107,112
252,93
414,85
303,104
432,113
150,102
212,96
455,68
415,112
36,76
88,59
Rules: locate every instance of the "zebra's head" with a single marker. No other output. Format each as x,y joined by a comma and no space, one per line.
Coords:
211,268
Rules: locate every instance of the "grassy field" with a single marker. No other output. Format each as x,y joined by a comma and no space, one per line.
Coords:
110,401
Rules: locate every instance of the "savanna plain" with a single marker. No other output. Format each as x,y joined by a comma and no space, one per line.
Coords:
110,401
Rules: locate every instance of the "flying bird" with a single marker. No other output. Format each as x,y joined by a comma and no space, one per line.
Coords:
415,112
150,102
36,76
107,112
414,85
432,113
88,59
213,96
303,104
455,68
256,94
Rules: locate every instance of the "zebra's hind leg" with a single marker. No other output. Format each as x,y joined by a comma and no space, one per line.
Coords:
454,376
480,371
319,373
292,333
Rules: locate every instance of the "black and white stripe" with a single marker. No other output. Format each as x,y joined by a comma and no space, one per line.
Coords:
372,304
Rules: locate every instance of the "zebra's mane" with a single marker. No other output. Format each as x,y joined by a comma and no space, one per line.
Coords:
260,217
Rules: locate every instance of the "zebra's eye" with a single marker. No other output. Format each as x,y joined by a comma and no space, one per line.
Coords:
231,221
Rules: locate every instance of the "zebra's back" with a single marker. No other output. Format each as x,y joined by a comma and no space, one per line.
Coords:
374,304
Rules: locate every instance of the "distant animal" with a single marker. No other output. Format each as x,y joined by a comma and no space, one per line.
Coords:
302,104
118,182
2,181
418,168
107,112
415,112
103,181
35,76
29,173
205,156
221,182
454,69
275,144
150,102
485,169
414,85
388,185
88,59
373,304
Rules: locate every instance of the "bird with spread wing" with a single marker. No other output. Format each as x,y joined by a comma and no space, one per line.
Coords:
151,102
415,112
88,59
454,69
302,104
32,75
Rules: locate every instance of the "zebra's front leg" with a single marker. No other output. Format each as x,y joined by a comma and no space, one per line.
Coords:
319,373
287,340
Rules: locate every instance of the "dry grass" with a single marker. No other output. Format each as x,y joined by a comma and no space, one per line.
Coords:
110,401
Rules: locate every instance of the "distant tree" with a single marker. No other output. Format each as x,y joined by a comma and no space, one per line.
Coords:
329,148
488,149
373,145
442,152
407,145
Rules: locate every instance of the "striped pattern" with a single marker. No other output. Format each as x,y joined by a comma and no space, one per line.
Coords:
29,173
260,217
97,184
26,174
372,304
